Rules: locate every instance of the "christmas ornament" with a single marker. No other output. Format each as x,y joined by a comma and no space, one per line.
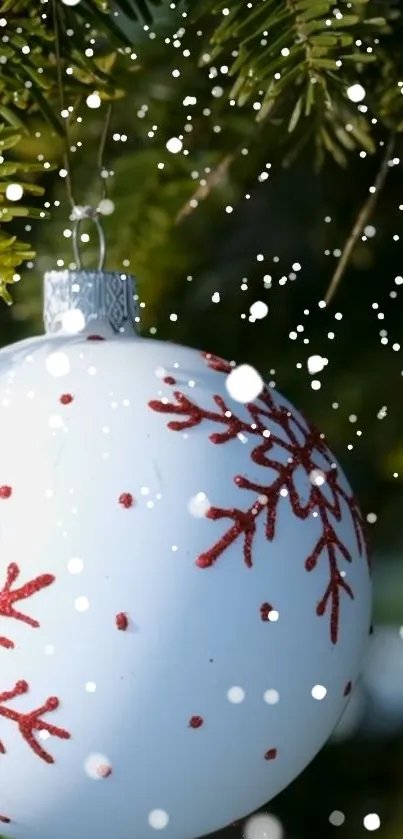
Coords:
184,591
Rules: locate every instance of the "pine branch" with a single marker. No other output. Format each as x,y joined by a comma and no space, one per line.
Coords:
32,80
295,59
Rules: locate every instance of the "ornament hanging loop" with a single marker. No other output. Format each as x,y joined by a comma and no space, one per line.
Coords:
78,215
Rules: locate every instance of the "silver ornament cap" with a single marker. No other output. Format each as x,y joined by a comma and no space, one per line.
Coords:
78,301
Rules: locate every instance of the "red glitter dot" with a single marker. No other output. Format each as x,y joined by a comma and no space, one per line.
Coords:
126,500
66,398
271,754
121,621
348,689
169,380
5,492
195,722
104,770
95,338
265,610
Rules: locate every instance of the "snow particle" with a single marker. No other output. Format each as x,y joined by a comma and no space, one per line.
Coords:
271,697
75,565
317,477
82,604
158,819
94,766
372,821
316,363
244,383
263,826
55,421
198,505
14,192
73,321
93,100
337,818
259,309
58,364
356,92
319,692
106,207
174,145
236,695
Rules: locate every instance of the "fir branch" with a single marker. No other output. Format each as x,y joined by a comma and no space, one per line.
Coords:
296,59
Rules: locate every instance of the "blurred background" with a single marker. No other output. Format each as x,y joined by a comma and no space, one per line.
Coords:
233,253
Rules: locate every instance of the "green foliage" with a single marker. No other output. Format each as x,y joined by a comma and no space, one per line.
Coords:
290,63
36,46
296,59
13,252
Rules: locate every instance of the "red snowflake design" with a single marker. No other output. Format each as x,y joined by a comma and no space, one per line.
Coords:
8,597
266,417
29,723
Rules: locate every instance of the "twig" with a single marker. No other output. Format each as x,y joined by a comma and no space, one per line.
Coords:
59,68
101,150
214,179
360,222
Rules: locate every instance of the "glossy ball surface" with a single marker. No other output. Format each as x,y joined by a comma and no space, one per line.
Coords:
184,592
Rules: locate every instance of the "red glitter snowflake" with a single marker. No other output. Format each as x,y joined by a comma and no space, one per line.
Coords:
29,723
265,416
9,596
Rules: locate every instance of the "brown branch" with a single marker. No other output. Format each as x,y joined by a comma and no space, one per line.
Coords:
360,222
101,151
214,179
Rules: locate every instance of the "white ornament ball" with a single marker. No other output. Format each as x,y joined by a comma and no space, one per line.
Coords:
183,603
